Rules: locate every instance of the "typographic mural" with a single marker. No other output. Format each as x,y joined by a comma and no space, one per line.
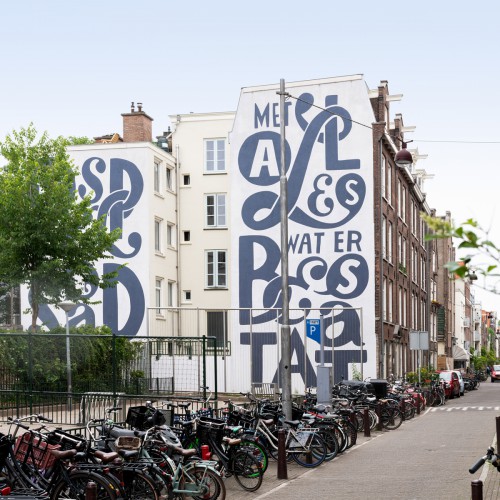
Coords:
116,186
329,167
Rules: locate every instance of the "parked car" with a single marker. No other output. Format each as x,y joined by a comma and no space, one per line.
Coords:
461,381
451,383
495,373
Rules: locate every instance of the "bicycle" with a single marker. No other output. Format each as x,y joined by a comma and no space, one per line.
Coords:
233,459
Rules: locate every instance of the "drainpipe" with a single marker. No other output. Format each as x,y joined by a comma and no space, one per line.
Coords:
178,232
381,272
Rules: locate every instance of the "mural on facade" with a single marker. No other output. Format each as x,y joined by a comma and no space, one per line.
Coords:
117,186
330,225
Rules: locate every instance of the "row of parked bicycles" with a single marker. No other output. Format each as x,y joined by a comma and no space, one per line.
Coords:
170,451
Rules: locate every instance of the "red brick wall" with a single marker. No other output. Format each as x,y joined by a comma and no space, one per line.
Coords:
137,127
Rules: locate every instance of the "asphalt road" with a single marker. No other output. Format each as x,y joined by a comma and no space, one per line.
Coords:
428,457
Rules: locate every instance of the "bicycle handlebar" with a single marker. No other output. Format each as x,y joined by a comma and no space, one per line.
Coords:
477,465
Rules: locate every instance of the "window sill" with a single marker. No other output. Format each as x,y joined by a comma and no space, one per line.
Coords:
208,288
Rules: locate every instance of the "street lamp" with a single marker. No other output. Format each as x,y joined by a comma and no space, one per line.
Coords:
403,157
285,369
67,306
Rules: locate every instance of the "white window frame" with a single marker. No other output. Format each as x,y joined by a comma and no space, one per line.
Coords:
169,178
215,159
384,237
158,234
219,209
170,235
389,241
389,301
213,277
159,296
388,187
157,177
170,293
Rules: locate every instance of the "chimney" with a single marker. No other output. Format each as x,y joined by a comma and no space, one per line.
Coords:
137,125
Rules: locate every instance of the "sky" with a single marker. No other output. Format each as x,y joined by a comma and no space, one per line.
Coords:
72,68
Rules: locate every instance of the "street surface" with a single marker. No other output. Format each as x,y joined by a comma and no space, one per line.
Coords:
428,457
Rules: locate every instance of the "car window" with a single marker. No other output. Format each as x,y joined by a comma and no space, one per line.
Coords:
445,376
496,368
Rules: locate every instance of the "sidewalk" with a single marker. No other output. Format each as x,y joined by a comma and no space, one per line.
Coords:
418,461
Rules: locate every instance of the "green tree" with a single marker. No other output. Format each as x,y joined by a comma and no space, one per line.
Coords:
482,255
49,239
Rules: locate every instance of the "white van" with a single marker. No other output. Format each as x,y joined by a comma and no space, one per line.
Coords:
461,380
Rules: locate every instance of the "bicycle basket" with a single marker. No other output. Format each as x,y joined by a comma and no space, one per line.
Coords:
127,443
210,428
302,439
34,451
137,416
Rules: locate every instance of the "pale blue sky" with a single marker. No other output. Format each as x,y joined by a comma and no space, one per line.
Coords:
72,68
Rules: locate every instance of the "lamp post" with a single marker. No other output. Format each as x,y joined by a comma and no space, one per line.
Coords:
285,368
67,306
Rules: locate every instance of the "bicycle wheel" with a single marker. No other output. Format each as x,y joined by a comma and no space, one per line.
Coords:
76,487
208,480
312,455
391,418
139,486
332,445
246,470
258,451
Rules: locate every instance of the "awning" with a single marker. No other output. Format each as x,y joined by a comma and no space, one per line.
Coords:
460,353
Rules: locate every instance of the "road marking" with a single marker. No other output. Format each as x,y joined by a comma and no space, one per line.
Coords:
465,408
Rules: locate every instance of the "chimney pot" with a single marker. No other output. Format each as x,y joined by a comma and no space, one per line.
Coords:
132,108
139,106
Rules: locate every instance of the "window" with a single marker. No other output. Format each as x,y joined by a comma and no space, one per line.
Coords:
170,185
186,179
389,242
215,155
157,177
217,327
216,269
388,187
186,236
382,177
170,235
384,299
389,301
215,210
403,203
158,231
187,295
158,295
384,237
170,294
400,306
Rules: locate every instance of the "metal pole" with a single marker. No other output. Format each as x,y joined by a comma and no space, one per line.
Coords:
68,363
286,356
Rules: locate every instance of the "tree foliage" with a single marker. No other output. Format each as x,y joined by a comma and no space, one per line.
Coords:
49,239
39,360
482,255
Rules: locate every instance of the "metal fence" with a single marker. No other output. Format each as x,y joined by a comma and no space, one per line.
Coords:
248,342
36,377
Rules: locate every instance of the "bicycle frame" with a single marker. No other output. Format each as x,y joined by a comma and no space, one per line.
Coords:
294,442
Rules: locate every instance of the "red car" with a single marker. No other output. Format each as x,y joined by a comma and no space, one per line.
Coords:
495,373
451,383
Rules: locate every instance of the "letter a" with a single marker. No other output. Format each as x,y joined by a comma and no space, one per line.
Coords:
265,157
